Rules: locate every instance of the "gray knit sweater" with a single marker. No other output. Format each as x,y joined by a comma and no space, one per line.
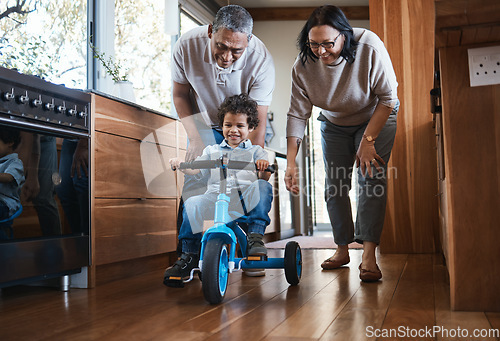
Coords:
346,93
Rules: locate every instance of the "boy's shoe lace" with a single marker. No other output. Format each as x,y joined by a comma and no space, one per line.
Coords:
256,245
181,270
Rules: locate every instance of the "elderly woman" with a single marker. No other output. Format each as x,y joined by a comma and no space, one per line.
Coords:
348,74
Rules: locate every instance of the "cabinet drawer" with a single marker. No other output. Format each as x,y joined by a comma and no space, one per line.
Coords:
131,228
129,168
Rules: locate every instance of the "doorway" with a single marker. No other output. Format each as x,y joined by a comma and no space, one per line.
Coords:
315,164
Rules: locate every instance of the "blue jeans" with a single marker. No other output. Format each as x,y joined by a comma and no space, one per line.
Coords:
258,197
340,144
73,191
45,203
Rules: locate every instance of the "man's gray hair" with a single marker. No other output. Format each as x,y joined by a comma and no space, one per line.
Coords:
235,18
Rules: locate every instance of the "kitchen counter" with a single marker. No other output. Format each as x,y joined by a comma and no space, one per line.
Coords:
129,103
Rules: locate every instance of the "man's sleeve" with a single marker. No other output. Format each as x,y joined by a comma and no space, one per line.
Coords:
262,89
178,73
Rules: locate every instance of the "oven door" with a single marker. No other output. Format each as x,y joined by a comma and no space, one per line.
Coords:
51,236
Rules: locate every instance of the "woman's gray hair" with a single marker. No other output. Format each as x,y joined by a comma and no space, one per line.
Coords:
235,18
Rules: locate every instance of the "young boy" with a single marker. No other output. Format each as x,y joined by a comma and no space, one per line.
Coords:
11,178
238,117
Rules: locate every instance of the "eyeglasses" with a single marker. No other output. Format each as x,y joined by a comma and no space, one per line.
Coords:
326,45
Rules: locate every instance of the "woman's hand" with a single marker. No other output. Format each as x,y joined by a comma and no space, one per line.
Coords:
367,156
292,177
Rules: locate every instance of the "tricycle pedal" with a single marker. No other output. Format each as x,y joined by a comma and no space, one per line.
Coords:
257,258
173,282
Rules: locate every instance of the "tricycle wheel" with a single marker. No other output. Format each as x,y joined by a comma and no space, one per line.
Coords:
293,263
215,270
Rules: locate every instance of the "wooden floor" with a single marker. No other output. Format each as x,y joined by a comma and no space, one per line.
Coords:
326,305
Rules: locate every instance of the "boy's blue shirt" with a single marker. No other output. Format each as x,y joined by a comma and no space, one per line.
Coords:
10,192
245,151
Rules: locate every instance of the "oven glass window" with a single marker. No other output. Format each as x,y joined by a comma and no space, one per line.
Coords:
44,188
46,38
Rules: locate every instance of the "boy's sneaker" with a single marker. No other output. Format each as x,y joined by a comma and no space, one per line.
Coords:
256,246
181,270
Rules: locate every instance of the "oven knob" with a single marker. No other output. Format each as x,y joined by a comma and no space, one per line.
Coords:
82,114
48,106
36,103
8,96
23,99
61,109
71,112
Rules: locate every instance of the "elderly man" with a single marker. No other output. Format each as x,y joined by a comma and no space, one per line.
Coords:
210,63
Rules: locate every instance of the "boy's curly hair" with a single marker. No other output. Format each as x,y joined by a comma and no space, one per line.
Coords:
10,135
239,104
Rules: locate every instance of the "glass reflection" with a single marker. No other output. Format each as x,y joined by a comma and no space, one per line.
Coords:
44,186
73,189
39,156
11,180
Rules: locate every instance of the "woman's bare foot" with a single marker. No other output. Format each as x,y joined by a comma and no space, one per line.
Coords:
369,260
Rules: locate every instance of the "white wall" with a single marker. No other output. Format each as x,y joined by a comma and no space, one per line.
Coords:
280,38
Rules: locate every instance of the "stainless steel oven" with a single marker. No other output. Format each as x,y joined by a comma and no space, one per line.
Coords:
50,238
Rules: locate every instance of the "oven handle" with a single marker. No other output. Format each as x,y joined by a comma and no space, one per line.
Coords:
38,127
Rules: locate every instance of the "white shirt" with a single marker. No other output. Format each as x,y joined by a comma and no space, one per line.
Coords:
253,73
245,151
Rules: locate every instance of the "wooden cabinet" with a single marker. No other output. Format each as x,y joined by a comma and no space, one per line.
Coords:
411,222
470,185
134,192
469,142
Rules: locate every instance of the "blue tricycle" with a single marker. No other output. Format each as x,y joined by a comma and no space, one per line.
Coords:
218,256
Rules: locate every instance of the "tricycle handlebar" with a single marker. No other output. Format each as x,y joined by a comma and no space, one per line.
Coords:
209,164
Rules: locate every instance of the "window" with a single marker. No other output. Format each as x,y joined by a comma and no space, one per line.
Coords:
46,38
143,50
188,22
49,39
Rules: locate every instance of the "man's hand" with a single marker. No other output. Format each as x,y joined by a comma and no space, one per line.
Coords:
194,149
80,159
31,187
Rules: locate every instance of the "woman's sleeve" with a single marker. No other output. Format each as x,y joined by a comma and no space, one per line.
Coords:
383,78
300,105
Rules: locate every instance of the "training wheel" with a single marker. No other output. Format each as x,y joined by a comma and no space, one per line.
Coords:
293,263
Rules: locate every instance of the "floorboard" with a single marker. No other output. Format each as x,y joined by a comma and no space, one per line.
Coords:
326,305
